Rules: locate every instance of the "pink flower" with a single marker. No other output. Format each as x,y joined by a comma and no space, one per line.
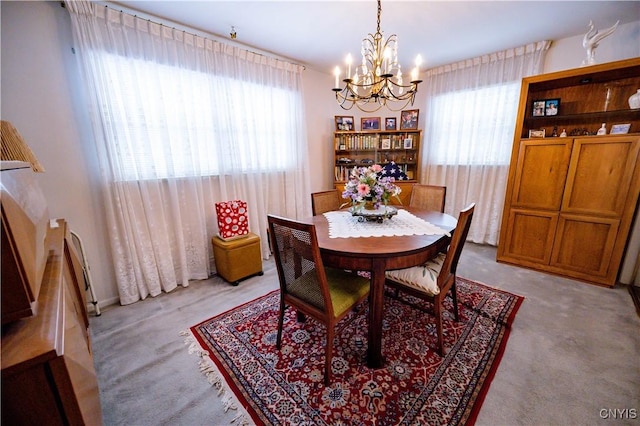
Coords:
363,189
376,168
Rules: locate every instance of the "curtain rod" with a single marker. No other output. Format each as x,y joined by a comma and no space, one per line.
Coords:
192,32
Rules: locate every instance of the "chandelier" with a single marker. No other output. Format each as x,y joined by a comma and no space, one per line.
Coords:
378,81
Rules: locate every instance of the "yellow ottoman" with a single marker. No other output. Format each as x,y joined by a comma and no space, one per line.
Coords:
237,259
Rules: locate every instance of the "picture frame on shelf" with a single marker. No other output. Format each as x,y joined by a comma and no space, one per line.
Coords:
390,123
537,108
344,123
620,129
385,144
370,123
551,107
408,143
536,133
409,119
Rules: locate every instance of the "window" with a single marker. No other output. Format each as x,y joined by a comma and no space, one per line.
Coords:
473,126
166,121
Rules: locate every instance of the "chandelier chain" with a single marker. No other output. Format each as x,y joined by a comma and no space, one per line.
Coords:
379,13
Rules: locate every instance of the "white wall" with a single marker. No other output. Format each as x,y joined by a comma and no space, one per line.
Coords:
41,97
319,107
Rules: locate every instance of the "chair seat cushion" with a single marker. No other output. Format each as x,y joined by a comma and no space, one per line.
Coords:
345,289
423,278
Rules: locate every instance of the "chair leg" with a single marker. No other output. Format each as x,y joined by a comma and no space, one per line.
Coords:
280,324
327,355
438,314
454,298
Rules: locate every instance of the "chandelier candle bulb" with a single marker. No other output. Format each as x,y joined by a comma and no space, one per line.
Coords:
387,55
336,72
414,75
348,60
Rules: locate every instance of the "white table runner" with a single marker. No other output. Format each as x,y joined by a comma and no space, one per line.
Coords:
343,225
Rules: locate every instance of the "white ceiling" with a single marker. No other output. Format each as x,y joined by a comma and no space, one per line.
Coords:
320,33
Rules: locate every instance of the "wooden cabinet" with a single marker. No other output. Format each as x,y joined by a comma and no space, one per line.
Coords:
365,148
570,201
48,376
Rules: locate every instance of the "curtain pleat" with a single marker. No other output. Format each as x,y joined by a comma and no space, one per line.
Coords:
181,122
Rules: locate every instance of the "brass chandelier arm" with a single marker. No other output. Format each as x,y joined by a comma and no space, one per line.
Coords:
371,105
347,98
388,89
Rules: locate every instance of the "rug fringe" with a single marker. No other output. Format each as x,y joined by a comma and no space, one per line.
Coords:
211,372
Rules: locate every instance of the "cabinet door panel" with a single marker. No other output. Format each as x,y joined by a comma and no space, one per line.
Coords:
600,175
541,172
31,399
530,235
584,244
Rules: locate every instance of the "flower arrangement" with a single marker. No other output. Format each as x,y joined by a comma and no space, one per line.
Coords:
367,185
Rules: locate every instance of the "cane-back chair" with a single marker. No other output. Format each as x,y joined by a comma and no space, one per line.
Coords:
433,280
325,201
323,293
429,197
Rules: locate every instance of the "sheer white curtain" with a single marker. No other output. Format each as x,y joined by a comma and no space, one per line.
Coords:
470,119
181,122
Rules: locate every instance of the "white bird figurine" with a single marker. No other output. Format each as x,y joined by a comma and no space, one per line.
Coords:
591,40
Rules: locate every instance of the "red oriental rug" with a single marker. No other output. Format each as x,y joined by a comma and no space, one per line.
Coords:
416,386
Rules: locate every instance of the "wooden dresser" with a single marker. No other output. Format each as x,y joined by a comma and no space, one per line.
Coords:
48,376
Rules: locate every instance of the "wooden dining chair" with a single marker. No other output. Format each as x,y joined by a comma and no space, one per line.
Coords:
323,293
325,201
429,197
433,280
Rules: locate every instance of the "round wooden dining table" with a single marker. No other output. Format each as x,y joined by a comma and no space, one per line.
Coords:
380,254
